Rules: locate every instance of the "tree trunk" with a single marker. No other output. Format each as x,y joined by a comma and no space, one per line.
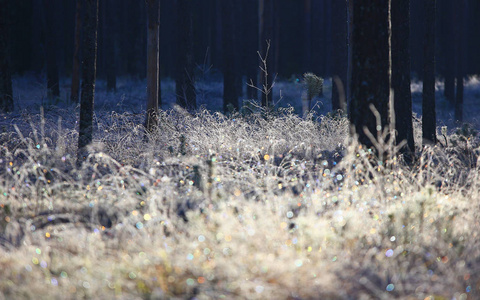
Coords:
340,54
349,49
448,47
460,51
400,14
250,27
307,36
370,67
76,54
153,16
109,30
231,76
6,91
428,105
185,79
89,51
266,42
53,87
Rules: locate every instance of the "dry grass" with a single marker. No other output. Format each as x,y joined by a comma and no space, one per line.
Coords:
232,207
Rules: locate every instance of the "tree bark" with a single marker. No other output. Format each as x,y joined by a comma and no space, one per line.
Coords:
185,79
428,105
231,76
266,35
370,67
109,31
340,54
153,16
448,47
6,91
76,54
53,87
307,36
250,27
400,14
460,51
89,51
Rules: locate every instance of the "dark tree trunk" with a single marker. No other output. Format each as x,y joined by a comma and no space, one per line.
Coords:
168,39
340,54
159,94
349,49
250,27
448,47
109,29
153,16
370,67
460,51
231,76
266,35
400,14
6,91
76,53
89,51
428,105
185,79
307,36
53,88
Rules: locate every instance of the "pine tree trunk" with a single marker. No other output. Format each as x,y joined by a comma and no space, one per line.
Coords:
185,79
76,54
266,36
448,46
340,54
6,91
251,39
109,29
370,67
153,16
400,13
460,51
307,36
89,51
428,106
231,77
53,87
159,97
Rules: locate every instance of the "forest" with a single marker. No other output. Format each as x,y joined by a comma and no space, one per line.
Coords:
239,149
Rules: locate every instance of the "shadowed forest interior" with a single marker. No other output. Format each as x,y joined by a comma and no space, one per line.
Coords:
239,149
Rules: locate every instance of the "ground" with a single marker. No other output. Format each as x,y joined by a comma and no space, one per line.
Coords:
252,205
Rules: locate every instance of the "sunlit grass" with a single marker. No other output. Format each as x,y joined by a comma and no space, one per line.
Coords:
244,206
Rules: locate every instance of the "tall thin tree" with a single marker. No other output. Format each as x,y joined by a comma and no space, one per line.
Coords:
250,42
109,39
89,63
447,42
340,54
307,36
400,14
51,40
461,8
231,66
76,53
429,122
153,16
370,68
185,77
266,35
6,91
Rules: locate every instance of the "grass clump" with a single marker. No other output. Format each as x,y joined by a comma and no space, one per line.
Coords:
216,206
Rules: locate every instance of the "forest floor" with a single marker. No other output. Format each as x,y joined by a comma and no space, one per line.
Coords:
247,206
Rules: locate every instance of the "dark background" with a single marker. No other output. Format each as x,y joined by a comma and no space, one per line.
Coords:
302,46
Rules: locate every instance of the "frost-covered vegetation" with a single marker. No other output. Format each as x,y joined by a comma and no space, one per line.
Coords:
244,206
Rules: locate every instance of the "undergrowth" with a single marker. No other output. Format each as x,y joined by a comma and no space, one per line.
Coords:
234,207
